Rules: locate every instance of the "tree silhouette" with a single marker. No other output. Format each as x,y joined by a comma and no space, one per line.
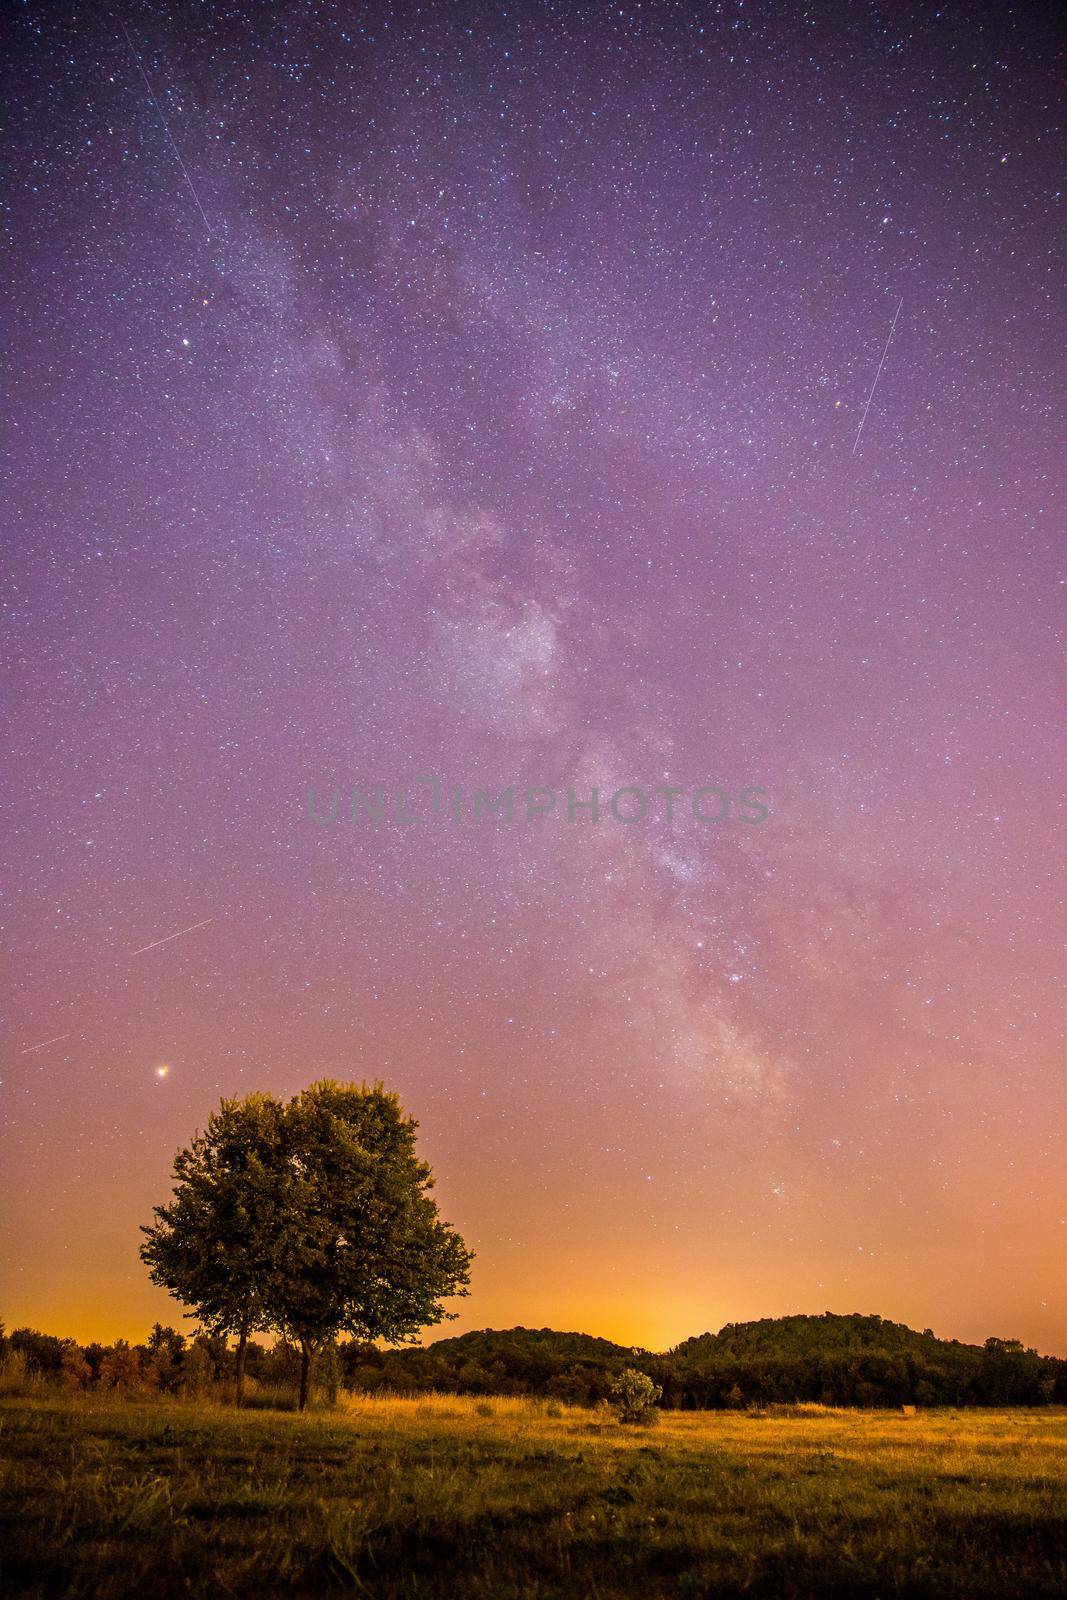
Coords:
312,1219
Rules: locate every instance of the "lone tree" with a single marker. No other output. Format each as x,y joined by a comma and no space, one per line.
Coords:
313,1219
214,1245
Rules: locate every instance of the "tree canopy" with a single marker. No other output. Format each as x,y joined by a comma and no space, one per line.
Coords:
311,1218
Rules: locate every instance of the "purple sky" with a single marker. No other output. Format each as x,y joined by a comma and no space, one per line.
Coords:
474,391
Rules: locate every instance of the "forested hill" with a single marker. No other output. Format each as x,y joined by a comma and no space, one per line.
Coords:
805,1336
489,1342
830,1359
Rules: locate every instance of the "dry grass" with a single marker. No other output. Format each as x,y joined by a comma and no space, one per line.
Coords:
480,1500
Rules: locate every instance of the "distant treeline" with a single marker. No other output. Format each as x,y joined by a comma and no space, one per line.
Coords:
831,1360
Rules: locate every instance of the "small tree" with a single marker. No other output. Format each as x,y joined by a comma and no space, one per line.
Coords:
635,1397
164,1357
214,1245
76,1370
121,1367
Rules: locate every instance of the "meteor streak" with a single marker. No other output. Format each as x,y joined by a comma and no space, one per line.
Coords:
44,1044
157,942
166,128
877,375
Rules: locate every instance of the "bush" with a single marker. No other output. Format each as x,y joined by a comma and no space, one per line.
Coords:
635,1397
43,1351
17,1378
198,1370
120,1367
76,1371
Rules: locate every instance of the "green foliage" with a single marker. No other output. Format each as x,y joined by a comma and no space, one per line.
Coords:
312,1219
213,1245
361,1249
635,1397
852,1360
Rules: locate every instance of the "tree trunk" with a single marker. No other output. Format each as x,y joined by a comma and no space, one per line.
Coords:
305,1372
242,1348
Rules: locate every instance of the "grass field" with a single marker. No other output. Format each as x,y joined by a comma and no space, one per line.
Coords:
480,1501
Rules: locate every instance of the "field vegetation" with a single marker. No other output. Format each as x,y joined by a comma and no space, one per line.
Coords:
111,1497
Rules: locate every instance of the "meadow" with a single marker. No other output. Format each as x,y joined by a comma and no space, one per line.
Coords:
480,1500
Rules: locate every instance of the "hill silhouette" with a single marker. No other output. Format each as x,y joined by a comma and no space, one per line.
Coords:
828,1334
830,1359
537,1341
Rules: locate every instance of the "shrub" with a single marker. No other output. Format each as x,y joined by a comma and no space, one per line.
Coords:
43,1351
76,1371
17,1378
120,1367
635,1397
197,1370
328,1374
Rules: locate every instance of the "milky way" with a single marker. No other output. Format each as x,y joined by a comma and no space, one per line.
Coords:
478,395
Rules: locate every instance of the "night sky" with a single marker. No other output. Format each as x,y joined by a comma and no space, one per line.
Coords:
485,393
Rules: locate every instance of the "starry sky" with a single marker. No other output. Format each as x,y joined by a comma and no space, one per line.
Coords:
558,396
